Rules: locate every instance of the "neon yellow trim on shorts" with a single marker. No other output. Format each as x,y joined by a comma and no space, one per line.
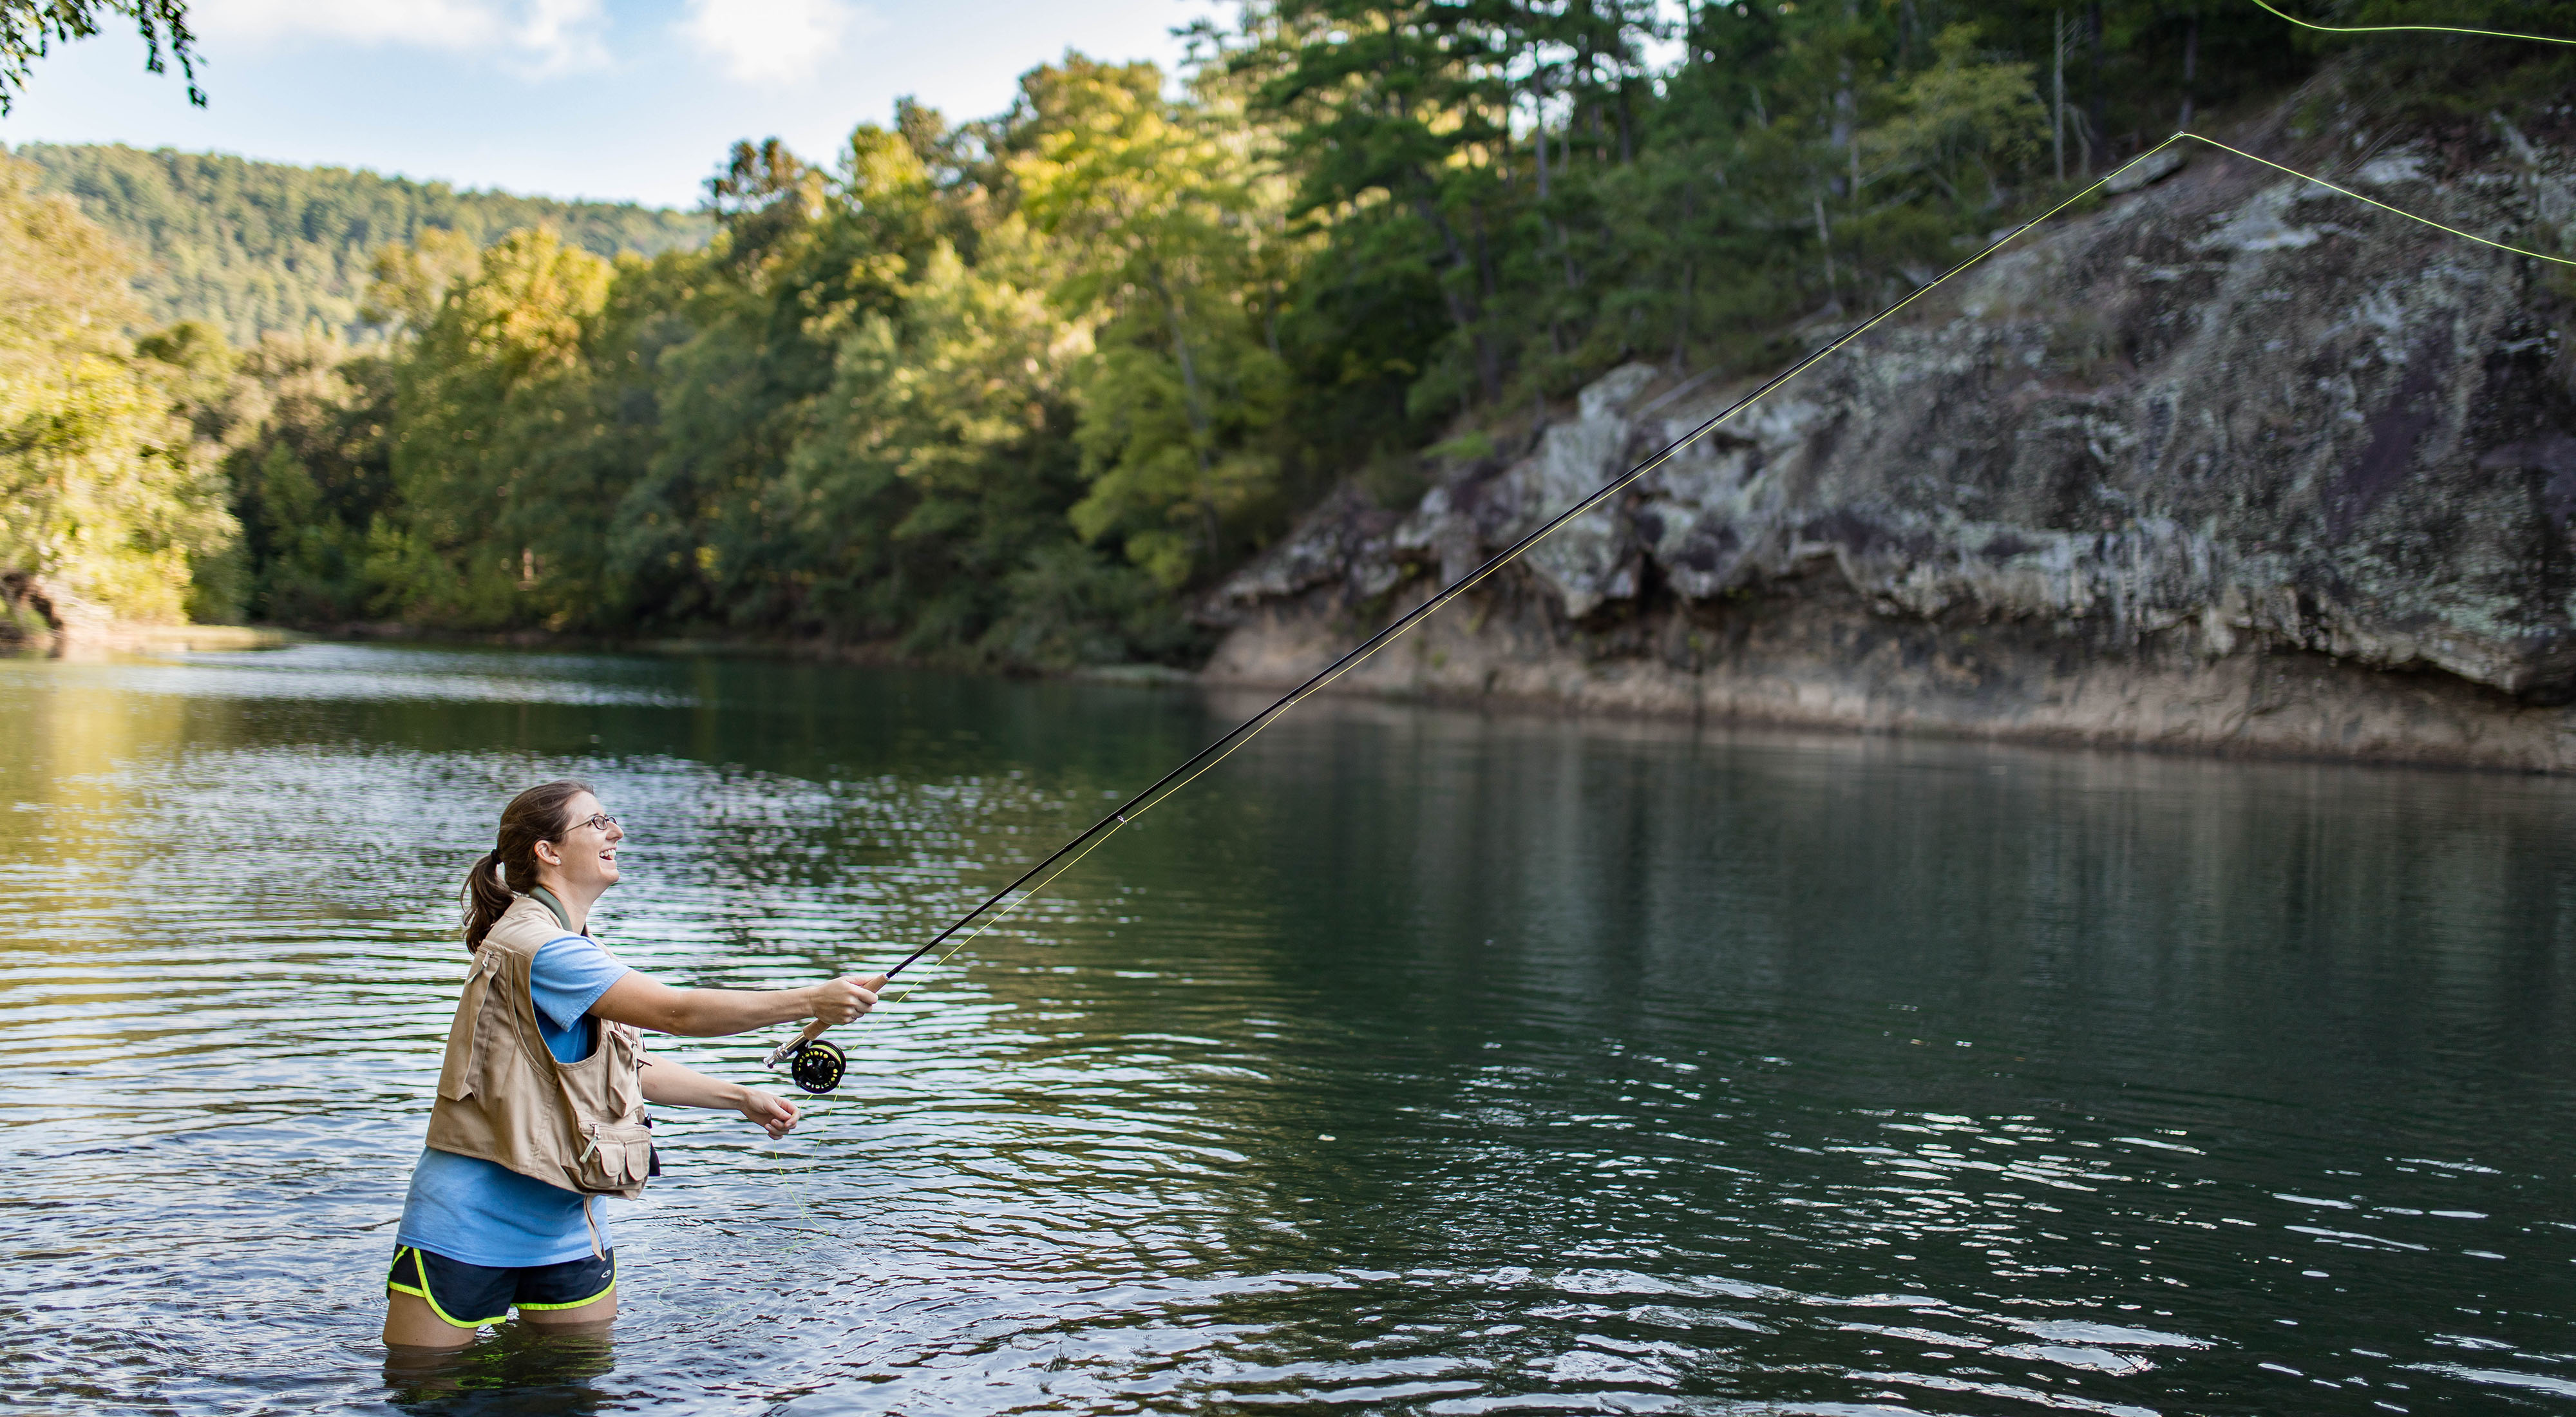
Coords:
423,1294
578,1303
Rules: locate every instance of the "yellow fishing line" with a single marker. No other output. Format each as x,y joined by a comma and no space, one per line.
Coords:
2383,206
1613,488
1603,494
1595,499
1026,896
2413,29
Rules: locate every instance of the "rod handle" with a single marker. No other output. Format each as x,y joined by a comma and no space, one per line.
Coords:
787,1050
779,1055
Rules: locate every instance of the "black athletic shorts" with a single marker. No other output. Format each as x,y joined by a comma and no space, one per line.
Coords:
465,1294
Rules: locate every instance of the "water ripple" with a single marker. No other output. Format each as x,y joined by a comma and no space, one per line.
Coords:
1423,1063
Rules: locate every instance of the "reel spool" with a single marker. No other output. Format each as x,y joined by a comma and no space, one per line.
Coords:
817,1065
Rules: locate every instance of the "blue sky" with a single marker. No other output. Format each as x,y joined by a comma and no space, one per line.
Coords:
622,99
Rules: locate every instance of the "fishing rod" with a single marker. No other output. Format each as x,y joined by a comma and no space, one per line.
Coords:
817,1065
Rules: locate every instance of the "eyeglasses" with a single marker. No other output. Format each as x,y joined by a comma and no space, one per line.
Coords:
599,820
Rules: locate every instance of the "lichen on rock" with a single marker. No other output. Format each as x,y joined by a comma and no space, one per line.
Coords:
2230,414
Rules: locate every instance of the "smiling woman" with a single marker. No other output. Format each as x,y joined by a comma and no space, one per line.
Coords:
540,1109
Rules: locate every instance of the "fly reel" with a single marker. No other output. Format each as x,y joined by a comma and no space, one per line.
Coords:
817,1065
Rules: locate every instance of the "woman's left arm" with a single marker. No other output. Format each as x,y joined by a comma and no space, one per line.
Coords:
670,1084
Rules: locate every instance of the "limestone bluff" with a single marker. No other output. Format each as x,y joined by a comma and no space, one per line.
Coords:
2231,463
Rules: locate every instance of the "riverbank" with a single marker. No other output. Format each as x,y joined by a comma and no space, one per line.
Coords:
118,638
879,654
1826,660
2232,463
1820,660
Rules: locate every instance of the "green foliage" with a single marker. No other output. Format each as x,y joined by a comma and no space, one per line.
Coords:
104,493
500,520
1960,119
936,463
256,247
1164,232
310,464
1017,390
2453,76
30,28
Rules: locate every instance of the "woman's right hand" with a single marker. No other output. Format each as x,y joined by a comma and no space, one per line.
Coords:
843,1000
715,1013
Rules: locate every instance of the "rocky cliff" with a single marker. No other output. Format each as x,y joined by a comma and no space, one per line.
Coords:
2229,462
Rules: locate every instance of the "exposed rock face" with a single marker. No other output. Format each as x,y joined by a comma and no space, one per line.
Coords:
2229,424
33,611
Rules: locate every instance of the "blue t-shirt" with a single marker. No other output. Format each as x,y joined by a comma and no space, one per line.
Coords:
481,1212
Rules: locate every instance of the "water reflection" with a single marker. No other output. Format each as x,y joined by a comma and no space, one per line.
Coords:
519,1369
1416,1061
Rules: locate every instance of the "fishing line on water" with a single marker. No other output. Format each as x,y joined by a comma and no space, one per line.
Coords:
817,1062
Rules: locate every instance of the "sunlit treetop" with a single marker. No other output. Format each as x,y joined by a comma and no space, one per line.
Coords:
30,28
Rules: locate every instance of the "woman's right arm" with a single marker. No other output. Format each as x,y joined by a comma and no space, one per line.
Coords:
639,1000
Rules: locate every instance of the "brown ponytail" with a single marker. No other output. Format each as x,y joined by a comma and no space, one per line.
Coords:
509,869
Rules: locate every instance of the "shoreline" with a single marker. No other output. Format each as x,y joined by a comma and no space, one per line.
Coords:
119,637
1833,664
1786,663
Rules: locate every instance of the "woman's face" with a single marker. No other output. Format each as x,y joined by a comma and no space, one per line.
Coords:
589,852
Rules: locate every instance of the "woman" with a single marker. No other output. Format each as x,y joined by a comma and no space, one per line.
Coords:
540,1101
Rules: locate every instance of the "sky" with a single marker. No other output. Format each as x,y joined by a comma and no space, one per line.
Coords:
626,100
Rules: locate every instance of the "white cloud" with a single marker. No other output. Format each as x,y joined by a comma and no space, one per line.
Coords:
562,36
775,41
538,38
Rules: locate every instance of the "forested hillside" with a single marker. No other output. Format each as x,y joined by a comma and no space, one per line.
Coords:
250,247
1019,389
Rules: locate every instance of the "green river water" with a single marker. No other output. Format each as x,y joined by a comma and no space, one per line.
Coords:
1413,1061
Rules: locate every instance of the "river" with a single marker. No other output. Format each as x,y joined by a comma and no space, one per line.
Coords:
1411,1061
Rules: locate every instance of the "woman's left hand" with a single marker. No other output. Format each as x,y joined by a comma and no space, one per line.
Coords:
768,1111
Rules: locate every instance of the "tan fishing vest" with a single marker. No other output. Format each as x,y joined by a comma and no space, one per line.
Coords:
504,1098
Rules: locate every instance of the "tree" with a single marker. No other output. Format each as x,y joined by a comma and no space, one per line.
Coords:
1958,119
105,495
29,29
937,461
407,280
1398,114
490,421
255,248
1161,223
798,262
1008,390
310,461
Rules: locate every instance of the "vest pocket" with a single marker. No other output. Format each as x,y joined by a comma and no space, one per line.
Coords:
613,1157
460,1074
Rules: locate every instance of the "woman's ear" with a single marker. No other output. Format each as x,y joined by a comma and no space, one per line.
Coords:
548,856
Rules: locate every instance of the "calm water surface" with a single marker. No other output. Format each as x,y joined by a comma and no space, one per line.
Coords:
1412,1062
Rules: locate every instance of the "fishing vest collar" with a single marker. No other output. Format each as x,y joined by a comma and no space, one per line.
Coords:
547,899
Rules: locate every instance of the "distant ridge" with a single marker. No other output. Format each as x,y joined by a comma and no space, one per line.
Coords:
258,246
